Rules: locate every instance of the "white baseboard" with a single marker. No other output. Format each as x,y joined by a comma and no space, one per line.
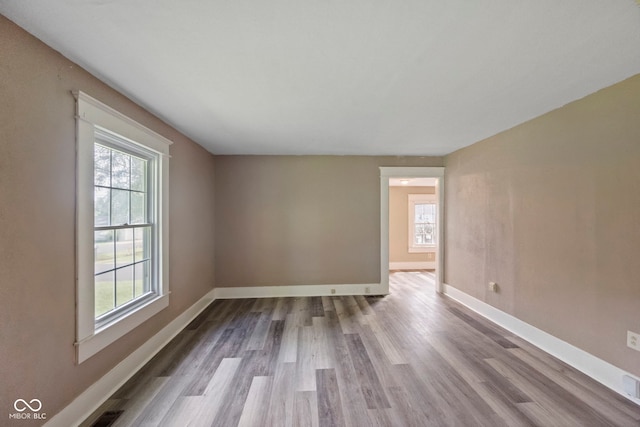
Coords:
299,291
85,404
417,265
601,371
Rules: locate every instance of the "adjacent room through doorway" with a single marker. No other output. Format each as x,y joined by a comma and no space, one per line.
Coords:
412,224
411,230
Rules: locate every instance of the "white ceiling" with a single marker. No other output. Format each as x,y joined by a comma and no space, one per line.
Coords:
371,77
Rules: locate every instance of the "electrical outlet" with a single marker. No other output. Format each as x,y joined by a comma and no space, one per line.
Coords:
493,286
367,290
333,291
633,340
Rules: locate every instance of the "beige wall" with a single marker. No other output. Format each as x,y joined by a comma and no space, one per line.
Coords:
551,211
399,225
37,203
299,220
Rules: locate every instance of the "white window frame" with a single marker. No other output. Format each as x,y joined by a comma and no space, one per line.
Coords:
92,116
413,200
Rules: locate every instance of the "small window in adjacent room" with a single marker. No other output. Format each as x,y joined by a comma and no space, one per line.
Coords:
422,222
122,225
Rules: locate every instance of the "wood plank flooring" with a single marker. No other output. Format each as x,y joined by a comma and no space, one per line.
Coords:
412,358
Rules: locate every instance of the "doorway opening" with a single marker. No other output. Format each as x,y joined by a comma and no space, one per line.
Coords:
411,221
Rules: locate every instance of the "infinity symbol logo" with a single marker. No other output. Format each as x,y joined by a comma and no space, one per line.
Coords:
24,405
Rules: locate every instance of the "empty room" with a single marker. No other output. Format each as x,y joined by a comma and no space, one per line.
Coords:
279,213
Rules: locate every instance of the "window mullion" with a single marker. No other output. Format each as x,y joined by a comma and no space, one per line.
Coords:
115,265
133,273
123,226
110,185
133,237
129,193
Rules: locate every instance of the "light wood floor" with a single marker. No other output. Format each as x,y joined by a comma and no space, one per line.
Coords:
413,358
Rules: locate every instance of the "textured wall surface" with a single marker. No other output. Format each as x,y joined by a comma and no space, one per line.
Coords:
300,220
37,225
550,210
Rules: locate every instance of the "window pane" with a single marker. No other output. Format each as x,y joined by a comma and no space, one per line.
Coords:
138,208
124,285
138,174
431,213
142,278
104,251
102,166
424,234
419,213
120,171
142,243
119,207
425,224
102,203
425,212
124,247
105,286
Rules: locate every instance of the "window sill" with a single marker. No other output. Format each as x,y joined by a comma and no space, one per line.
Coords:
422,249
113,331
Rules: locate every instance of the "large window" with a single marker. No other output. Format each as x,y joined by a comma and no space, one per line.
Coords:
422,222
121,225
